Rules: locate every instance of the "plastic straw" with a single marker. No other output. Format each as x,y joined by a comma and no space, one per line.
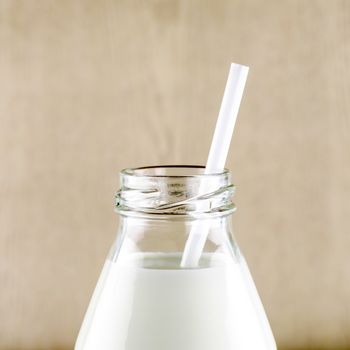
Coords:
217,155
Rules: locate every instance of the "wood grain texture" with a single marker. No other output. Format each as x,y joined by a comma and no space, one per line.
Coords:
90,87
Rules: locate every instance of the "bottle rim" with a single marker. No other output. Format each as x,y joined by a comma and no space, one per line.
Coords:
150,171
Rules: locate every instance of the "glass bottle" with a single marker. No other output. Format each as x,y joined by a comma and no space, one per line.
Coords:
145,300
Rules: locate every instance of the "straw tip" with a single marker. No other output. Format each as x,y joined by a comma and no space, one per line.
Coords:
239,66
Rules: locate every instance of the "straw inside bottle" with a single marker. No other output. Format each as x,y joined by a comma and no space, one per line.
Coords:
217,155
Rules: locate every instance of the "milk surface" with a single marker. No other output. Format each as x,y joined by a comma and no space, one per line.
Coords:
149,303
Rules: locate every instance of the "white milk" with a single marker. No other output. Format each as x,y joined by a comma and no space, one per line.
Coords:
148,304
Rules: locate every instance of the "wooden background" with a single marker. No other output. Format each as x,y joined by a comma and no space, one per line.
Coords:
90,87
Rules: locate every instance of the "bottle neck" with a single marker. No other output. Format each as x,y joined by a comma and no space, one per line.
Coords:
151,235
159,207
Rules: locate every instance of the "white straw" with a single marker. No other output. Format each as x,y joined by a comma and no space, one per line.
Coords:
217,155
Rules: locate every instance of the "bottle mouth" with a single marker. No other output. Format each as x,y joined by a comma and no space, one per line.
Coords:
172,171
174,190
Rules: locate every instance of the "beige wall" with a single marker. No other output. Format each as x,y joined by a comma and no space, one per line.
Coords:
90,87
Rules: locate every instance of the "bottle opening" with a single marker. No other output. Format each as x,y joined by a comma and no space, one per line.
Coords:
171,171
177,190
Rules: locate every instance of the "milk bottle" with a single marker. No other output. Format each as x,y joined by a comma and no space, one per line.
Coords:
145,300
